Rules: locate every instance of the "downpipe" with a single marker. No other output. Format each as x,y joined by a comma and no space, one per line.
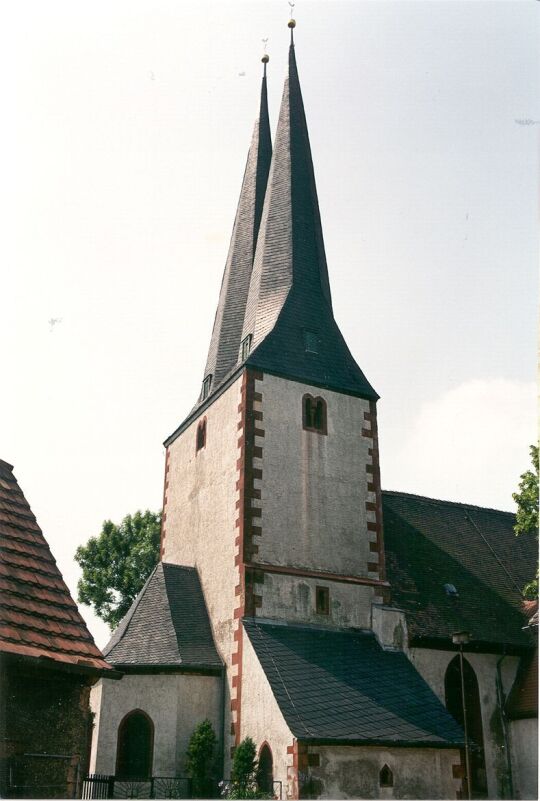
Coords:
501,700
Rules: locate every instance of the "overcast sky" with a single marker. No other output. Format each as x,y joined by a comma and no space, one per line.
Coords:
127,131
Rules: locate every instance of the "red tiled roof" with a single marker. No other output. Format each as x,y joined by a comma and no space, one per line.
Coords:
38,617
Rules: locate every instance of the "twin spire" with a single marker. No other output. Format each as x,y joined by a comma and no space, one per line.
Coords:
275,309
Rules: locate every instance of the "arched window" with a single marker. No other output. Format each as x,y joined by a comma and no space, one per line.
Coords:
265,773
386,777
201,435
455,704
135,746
314,414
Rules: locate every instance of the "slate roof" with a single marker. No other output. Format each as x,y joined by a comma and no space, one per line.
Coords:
340,686
430,543
289,290
224,348
38,617
167,625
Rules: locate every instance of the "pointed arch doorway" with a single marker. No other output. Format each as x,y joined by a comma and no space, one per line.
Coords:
265,773
134,754
454,704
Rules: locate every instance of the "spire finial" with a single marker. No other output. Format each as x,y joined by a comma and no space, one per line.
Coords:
266,58
292,22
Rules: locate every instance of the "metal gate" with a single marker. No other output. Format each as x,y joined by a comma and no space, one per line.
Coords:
97,785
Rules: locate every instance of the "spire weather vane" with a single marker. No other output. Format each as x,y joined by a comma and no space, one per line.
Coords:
266,58
292,21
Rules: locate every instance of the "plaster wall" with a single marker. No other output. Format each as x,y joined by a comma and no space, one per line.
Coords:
261,717
389,626
293,598
176,703
314,486
353,772
432,665
524,751
200,508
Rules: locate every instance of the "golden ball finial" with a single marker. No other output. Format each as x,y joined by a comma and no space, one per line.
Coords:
265,59
291,23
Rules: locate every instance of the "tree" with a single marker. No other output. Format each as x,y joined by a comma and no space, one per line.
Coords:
527,513
244,782
201,760
116,564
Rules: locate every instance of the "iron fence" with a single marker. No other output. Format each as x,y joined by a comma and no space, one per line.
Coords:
98,785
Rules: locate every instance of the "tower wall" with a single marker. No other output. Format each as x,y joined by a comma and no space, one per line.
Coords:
268,512
200,511
317,506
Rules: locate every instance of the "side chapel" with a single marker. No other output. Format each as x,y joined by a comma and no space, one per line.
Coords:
278,610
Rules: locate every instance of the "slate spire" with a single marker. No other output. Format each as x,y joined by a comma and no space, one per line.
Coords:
224,348
288,319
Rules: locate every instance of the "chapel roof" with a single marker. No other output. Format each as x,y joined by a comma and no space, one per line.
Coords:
167,625
38,617
340,686
431,543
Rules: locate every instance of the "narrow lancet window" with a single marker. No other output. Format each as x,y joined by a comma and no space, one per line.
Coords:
386,777
314,414
201,435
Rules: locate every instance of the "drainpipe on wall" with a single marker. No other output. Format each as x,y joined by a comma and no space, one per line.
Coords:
222,749
501,699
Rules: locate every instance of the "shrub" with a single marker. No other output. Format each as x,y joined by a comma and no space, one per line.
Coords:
201,760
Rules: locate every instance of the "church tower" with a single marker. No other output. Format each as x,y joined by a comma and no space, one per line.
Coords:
268,613
272,485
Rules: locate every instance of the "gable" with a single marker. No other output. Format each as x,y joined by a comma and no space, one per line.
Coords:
38,617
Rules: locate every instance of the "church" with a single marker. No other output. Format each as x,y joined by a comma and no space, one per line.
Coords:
372,644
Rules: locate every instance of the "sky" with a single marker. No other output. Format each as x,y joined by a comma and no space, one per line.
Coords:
125,135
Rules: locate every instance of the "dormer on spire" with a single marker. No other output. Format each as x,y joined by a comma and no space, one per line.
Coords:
289,299
226,334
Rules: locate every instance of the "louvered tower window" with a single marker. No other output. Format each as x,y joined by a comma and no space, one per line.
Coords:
311,341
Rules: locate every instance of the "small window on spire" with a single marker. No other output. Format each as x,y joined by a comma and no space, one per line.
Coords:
311,341
245,347
206,384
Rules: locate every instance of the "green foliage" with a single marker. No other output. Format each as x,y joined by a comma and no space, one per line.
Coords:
244,772
116,564
244,765
527,513
201,760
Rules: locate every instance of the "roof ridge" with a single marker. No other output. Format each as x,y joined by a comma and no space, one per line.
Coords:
425,498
